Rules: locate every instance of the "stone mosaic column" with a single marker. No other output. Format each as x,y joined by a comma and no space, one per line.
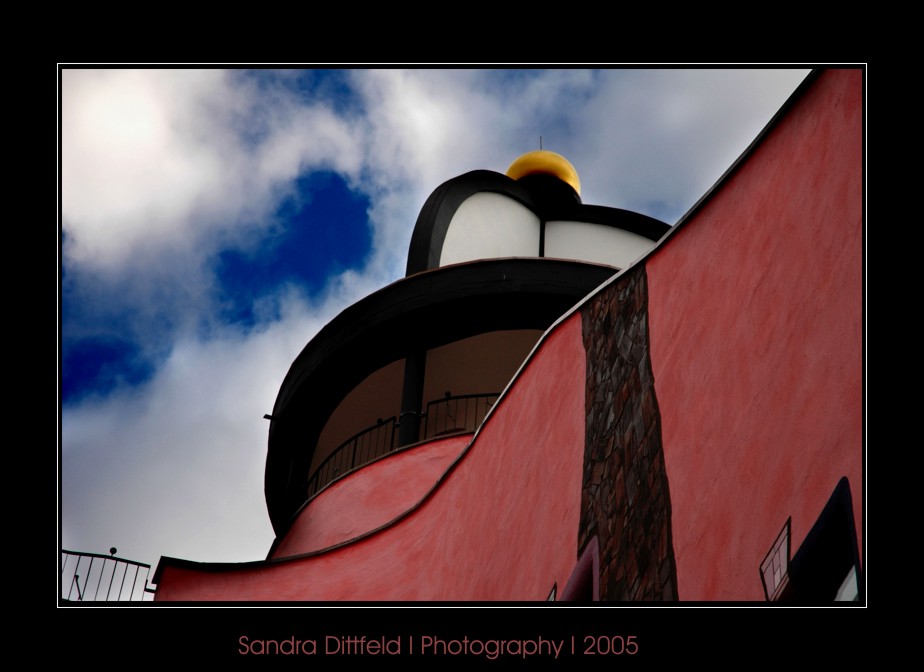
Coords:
625,498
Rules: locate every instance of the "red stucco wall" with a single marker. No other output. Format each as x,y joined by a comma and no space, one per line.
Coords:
501,526
370,497
755,324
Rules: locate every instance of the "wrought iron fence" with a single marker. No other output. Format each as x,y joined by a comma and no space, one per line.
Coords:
355,452
449,415
93,577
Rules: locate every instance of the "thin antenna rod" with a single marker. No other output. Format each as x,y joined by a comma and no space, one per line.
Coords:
540,142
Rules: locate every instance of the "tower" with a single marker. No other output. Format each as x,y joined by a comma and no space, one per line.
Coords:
494,260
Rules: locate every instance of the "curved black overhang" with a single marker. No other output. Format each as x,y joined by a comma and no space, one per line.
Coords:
547,197
417,313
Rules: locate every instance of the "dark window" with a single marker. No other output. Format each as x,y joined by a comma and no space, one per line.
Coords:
826,567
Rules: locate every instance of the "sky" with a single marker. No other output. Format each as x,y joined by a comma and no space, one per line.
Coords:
212,221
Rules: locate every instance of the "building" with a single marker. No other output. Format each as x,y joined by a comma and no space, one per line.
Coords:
564,401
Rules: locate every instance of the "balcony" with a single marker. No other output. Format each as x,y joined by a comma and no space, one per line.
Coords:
443,417
464,327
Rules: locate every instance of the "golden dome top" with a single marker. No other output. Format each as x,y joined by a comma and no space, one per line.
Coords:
547,163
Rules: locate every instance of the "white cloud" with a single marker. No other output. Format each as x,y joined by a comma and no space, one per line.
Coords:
175,467
660,139
158,162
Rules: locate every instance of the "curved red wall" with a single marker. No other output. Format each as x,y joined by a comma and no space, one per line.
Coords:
756,337
502,525
369,497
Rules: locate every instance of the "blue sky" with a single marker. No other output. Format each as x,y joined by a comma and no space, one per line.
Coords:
213,220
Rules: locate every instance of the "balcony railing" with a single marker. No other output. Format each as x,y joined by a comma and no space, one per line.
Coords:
355,452
449,415
456,414
93,577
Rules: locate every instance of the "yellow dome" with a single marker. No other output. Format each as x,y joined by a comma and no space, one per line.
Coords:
547,163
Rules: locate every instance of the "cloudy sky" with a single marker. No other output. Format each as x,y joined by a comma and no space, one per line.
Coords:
213,220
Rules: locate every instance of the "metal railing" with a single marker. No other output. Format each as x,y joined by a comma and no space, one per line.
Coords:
449,415
93,577
355,452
